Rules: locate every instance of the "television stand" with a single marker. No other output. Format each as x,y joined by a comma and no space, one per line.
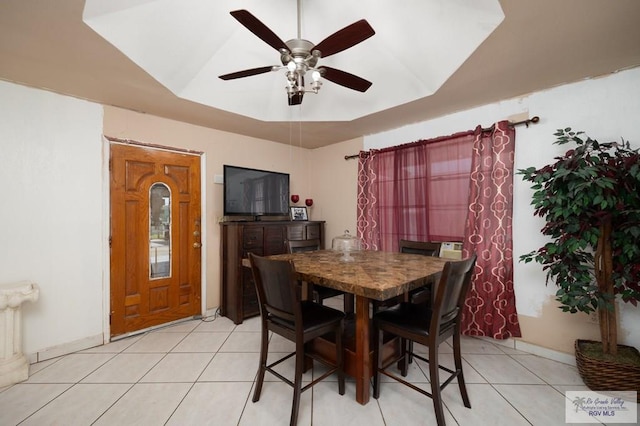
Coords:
263,238
271,218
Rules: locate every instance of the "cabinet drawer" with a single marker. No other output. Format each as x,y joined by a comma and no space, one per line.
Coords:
295,232
313,231
252,237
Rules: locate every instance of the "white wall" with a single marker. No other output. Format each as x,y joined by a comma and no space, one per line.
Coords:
606,108
51,221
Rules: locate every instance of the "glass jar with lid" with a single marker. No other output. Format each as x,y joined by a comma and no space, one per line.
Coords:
346,244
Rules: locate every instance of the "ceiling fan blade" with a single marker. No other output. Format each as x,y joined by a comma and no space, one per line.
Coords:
246,73
345,38
254,25
345,79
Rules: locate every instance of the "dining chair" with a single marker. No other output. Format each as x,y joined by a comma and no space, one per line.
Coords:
319,293
425,248
282,311
422,294
418,295
429,325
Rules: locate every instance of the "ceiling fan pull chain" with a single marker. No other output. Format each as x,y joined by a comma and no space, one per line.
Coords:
299,18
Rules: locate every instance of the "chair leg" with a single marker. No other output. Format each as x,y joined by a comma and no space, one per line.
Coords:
377,362
340,358
434,378
297,383
348,302
457,358
264,349
403,364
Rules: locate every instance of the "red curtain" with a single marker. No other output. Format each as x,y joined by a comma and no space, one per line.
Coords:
453,188
490,307
368,221
416,191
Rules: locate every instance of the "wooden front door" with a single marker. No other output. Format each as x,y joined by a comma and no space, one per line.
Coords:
155,237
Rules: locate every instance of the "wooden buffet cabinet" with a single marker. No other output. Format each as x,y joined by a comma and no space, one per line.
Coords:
238,239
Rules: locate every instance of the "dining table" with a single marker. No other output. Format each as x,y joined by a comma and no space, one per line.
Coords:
369,275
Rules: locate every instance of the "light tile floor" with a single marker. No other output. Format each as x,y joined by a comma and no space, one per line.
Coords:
201,372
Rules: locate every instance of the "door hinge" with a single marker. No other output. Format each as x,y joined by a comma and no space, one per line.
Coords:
110,238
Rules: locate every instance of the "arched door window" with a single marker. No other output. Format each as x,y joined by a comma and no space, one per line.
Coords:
159,231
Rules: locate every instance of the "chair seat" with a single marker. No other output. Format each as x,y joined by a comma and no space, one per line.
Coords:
413,318
314,316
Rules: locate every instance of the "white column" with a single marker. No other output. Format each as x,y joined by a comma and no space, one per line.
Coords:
14,367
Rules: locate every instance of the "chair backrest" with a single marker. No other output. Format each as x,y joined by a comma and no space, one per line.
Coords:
296,246
425,248
450,293
278,290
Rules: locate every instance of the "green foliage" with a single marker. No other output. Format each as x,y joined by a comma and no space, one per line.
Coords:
588,185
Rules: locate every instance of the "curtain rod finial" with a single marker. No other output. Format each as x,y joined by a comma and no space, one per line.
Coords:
533,120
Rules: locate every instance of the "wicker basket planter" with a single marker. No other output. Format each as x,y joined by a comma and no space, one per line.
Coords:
603,375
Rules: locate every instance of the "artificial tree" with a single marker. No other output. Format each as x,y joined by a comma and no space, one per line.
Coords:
590,200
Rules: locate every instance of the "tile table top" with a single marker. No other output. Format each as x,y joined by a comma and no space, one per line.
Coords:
374,274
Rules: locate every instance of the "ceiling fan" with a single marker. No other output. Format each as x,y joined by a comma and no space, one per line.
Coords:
300,56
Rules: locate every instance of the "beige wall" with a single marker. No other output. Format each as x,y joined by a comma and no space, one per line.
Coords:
335,185
219,148
322,174
555,329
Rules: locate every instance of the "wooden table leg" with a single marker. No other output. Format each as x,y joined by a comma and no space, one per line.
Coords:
363,364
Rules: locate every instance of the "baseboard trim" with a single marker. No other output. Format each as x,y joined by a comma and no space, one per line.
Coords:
66,348
97,340
532,349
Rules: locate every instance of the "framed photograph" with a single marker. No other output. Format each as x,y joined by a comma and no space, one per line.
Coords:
298,213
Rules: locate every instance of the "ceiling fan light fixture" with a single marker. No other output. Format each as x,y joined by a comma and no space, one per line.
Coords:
299,56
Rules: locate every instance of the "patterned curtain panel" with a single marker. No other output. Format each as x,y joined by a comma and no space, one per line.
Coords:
368,220
490,307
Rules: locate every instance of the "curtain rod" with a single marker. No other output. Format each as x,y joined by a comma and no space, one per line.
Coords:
526,122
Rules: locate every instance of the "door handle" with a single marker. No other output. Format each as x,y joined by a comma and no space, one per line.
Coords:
196,234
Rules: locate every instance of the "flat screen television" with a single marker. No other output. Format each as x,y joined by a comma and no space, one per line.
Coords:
253,192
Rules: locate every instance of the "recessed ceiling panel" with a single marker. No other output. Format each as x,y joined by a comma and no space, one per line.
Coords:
187,44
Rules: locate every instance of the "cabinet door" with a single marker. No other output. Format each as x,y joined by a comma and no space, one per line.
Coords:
313,231
252,237
249,301
274,237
